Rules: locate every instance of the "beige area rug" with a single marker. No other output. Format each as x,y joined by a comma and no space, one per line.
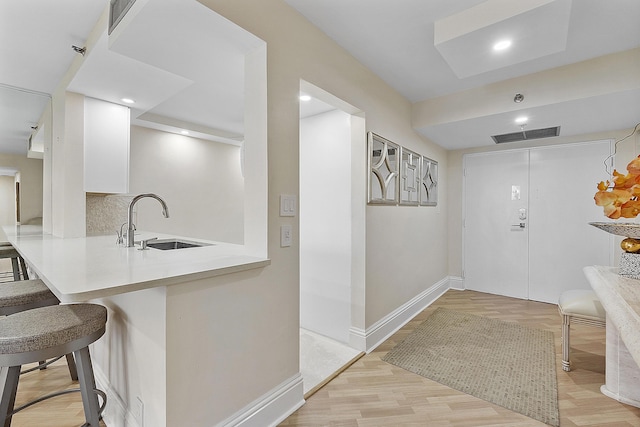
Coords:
501,362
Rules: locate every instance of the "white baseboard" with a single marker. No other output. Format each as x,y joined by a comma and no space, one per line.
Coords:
456,283
272,408
116,413
388,325
275,406
269,410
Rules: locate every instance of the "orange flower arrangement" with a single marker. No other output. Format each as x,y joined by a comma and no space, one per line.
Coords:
623,199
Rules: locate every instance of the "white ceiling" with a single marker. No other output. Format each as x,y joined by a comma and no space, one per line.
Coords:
191,77
35,52
395,39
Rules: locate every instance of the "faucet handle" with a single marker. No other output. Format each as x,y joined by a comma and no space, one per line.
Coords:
143,243
120,239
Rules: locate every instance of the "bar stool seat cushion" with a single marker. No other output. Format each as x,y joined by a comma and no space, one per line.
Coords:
50,331
581,303
25,292
8,252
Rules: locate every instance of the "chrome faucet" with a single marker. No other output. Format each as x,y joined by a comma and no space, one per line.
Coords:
131,228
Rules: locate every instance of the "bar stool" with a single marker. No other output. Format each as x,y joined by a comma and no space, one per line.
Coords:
17,262
578,306
26,295
47,332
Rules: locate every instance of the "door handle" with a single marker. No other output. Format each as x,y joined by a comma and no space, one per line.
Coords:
521,225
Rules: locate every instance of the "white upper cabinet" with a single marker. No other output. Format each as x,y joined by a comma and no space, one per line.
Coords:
106,147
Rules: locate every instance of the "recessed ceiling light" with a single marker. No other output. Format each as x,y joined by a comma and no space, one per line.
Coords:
128,101
522,119
305,98
502,45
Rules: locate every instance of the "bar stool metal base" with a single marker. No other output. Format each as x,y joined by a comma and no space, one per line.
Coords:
19,267
26,337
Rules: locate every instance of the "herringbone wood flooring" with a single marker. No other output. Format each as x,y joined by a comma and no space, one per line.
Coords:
374,393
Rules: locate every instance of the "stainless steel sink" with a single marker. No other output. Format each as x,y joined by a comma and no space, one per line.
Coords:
168,244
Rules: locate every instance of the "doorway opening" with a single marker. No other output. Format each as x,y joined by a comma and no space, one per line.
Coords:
332,229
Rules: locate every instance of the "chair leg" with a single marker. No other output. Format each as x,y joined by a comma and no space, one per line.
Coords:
73,371
566,327
16,269
9,376
23,266
87,387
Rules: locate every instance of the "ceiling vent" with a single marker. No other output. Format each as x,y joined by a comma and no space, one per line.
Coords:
117,10
527,134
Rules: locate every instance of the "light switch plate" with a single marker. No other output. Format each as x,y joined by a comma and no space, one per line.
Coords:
287,205
285,236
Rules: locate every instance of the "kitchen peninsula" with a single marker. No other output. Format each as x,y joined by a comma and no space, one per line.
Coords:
159,344
80,269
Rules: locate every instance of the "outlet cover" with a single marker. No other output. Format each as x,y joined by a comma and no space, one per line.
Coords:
285,236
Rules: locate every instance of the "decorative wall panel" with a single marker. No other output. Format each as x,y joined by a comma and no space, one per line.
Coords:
384,158
409,177
429,182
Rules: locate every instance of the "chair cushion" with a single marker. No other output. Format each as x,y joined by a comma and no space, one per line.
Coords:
581,303
8,252
23,292
45,327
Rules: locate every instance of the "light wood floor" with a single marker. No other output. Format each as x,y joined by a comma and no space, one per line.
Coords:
374,393
62,411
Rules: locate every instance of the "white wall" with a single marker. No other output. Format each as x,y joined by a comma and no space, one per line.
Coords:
129,360
30,172
7,200
200,181
65,185
266,316
254,316
325,224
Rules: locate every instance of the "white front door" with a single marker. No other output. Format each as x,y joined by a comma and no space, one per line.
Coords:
495,236
526,231
561,241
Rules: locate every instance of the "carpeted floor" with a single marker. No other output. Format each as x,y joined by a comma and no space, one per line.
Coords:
500,362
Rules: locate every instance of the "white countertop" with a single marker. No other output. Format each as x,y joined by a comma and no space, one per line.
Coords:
79,269
620,297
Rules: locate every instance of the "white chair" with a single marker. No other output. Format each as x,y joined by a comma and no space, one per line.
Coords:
578,306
